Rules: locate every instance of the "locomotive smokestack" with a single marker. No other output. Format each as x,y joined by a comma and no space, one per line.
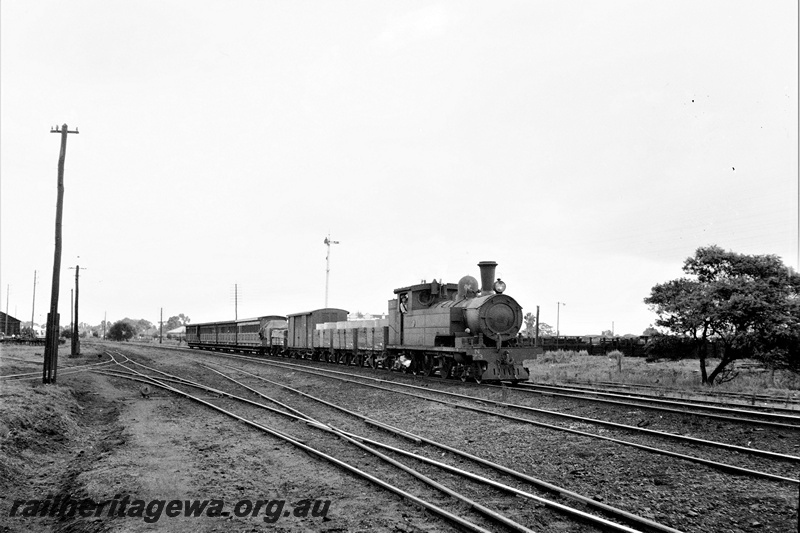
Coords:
487,276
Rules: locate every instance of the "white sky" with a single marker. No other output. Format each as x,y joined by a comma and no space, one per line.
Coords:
587,147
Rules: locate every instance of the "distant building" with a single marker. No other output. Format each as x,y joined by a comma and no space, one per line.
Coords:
9,325
367,316
177,333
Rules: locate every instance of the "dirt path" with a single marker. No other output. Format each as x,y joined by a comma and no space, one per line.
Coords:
116,443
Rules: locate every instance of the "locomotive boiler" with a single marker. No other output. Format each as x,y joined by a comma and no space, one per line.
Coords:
458,330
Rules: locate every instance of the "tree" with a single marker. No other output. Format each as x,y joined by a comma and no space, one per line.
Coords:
650,331
607,333
530,327
121,330
546,330
176,322
142,325
749,303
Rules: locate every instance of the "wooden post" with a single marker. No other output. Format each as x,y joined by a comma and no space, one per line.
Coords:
51,338
33,305
76,343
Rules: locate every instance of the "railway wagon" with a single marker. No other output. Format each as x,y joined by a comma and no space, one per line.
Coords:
353,341
258,335
301,328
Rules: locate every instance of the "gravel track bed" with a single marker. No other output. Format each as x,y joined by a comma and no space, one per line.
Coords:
683,495
521,510
779,441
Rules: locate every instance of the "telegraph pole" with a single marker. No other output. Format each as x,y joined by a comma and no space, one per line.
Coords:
51,339
33,305
328,243
76,343
161,326
558,320
5,328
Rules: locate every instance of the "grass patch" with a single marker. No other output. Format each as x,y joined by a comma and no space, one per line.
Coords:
562,366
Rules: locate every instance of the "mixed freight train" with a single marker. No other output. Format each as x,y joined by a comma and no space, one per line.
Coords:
451,330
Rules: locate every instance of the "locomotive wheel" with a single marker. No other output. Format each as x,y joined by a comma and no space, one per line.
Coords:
430,367
348,359
444,369
477,372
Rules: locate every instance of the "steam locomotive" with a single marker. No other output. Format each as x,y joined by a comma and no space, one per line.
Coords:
452,330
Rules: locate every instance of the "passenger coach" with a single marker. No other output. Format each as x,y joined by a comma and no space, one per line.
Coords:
264,334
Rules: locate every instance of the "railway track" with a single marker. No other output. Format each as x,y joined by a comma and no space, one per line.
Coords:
658,498
129,369
769,419
712,396
691,441
61,371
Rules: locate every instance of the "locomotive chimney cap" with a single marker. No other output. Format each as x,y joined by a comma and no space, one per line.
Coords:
487,276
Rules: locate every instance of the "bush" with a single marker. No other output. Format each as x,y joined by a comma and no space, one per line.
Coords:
121,331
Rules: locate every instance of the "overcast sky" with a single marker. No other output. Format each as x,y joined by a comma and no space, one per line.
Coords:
587,147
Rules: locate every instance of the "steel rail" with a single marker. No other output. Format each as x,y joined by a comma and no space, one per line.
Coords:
684,395
710,393
154,381
360,439
742,396
707,462
660,402
614,511
267,429
66,370
767,423
347,437
350,437
375,423
694,440
178,379
297,415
